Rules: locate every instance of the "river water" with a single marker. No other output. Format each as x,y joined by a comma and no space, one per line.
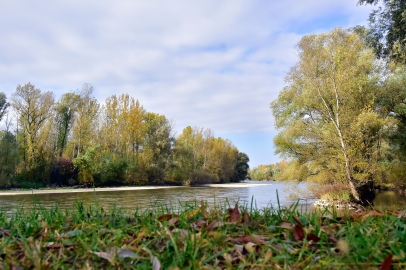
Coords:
257,194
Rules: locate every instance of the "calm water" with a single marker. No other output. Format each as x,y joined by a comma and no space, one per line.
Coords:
260,194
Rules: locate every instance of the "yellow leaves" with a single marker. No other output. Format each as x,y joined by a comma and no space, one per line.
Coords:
343,247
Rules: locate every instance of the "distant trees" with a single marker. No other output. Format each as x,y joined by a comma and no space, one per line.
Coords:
75,140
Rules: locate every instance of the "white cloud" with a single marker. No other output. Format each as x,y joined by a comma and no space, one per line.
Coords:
207,63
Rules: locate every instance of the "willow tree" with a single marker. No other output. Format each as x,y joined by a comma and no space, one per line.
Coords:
326,112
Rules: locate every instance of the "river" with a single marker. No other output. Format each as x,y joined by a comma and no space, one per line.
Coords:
257,194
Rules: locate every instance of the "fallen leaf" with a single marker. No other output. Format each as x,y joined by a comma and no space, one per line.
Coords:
212,226
250,247
234,214
166,217
58,246
268,255
286,225
297,221
173,222
240,248
156,265
104,255
192,213
343,246
298,233
199,224
246,217
248,238
386,265
119,252
182,233
228,258
312,237
126,253
372,213
204,211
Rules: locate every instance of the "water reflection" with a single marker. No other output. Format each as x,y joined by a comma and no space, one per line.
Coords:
390,200
253,193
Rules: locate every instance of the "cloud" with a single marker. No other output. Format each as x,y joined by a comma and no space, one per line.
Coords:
214,64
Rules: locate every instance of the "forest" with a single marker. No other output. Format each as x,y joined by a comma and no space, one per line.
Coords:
77,141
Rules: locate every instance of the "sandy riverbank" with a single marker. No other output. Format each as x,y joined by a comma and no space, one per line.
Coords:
78,190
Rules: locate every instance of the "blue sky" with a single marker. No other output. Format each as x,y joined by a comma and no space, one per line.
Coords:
211,64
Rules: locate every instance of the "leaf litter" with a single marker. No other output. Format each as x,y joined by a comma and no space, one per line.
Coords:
199,238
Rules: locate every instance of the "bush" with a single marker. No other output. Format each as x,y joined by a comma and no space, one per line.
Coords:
200,178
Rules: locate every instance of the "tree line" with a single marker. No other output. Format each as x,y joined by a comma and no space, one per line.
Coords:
77,141
342,113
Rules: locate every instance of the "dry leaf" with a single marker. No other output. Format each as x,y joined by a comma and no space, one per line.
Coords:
286,225
192,213
386,265
246,217
250,247
297,221
248,238
156,265
182,233
173,222
343,247
198,224
204,211
312,237
212,226
166,217
234,214
298,233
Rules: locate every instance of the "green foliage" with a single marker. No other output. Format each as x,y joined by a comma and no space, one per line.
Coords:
326,113
3,105
388,29
77,141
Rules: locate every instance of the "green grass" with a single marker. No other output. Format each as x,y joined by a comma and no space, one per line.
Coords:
199,236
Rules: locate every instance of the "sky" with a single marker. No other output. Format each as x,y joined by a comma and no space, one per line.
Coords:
210,64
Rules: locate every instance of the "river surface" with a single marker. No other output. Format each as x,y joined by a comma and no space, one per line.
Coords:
258,194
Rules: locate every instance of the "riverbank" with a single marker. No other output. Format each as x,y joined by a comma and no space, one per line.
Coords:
103,189
201,236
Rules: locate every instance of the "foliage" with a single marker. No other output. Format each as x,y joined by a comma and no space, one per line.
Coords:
77,141
388,29
326,112
3,105
199,236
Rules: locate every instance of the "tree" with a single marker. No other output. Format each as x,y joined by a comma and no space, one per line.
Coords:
322,112
3,105
65,111
241,167
84,128
156,147
388,29
34,109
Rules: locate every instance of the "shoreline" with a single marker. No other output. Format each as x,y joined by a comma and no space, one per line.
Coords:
104,189
78,190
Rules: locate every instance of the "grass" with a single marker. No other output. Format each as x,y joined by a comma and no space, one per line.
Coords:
200,236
